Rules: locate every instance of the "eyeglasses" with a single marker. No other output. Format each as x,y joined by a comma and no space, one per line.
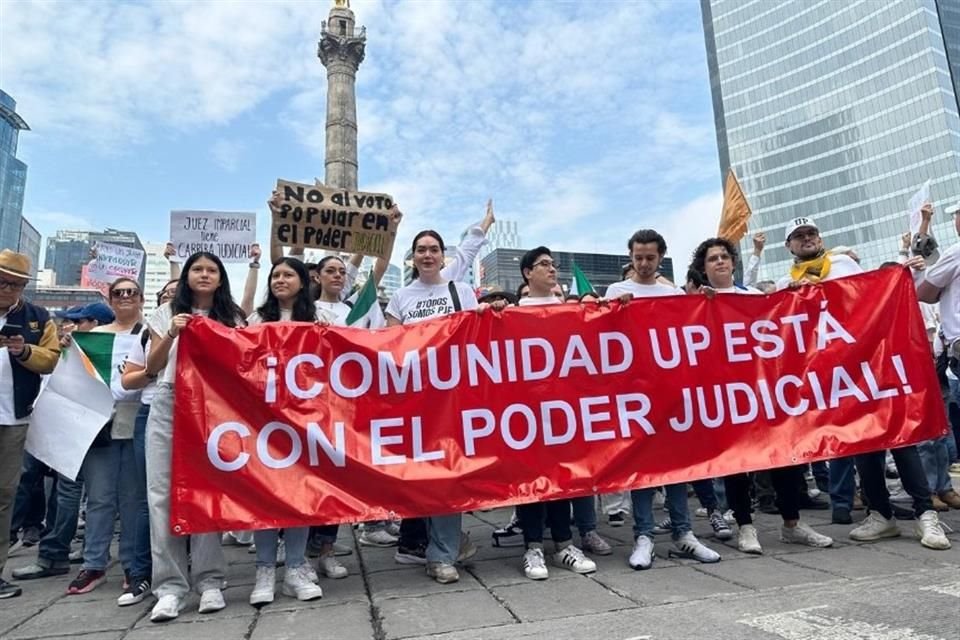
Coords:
124,293
547,264
13,286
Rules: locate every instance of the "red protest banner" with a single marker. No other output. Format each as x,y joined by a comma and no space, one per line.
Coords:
293,424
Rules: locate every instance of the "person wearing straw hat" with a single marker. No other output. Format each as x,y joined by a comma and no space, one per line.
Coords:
28,349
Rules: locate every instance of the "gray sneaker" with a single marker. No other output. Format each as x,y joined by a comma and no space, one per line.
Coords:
591,542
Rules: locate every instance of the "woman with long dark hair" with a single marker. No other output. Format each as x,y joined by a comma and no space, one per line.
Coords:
288,299
203,290
435,541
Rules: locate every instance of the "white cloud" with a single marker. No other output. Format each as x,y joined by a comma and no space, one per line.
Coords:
227,153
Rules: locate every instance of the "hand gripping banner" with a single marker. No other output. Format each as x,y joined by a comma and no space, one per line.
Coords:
290,424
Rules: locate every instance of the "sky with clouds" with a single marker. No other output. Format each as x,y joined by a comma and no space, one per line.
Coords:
584,121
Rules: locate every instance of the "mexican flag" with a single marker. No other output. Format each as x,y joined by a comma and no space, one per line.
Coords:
366,312
78,399
580,285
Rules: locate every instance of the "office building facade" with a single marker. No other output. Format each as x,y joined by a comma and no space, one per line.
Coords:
13,173
839,111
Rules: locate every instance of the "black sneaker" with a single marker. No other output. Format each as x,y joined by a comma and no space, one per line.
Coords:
138,590
86,581
411,555
842,516
615,519
510,535
31,537
9,590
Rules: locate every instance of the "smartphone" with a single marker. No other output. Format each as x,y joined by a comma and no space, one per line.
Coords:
11,330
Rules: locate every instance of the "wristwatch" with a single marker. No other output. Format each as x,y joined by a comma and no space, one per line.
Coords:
254,265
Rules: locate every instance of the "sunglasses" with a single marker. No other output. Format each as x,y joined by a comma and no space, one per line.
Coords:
13,286
125,293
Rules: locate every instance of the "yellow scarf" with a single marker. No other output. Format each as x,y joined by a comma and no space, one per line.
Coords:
813,270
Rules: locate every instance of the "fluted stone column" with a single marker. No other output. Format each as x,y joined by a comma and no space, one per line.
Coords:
341,51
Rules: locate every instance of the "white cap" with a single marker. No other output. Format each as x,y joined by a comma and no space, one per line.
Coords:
952,210
799,223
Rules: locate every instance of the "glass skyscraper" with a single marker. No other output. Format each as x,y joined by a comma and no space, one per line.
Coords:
13,173
839,111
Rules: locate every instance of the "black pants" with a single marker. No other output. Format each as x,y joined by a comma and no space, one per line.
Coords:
557,514
785,486
871,467
413,533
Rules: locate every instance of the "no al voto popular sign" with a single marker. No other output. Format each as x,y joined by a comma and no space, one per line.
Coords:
319,217
226,234
114,261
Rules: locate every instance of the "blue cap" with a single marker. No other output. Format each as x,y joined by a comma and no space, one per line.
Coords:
65,312
95,310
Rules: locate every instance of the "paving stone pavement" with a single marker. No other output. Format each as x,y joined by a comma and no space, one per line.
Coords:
889,590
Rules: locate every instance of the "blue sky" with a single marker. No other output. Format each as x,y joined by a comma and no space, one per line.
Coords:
582,120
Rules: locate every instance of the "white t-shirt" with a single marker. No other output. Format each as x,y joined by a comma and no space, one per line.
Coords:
160,323
254,318
417,301
138,356
637,290
841,266
944,275
750,291
335,313
530,301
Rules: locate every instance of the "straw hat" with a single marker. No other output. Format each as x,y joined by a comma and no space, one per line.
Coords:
15,264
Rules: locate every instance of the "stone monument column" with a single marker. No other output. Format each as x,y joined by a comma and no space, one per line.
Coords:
341,52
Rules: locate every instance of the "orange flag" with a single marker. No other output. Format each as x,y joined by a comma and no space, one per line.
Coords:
736,211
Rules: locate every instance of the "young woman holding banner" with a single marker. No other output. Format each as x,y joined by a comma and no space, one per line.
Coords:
288,299
203,289
430,296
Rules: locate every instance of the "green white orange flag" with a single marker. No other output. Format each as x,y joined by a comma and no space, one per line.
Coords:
580,285
77,399
366,311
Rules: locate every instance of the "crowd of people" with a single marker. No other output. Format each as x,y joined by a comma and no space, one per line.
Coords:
126,473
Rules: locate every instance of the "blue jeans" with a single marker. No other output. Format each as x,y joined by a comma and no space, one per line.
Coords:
142,561
585,514
936,459
294,539
54,548
643,523
110,475
842,483
443,533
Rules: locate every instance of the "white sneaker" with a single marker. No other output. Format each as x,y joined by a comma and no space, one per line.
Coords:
393,528
687,546
592,541
311,573
701,512
930,531
211,600
747,540
297,584
570,557
281,552
331,567
442,572
803,534
377,538
167,608
534,566
237,538
874,527
642,555
263,589
728,517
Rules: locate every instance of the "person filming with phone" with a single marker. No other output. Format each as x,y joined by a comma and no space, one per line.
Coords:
28,349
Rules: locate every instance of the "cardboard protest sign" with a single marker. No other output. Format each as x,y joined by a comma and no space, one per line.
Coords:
226,234
319,217
114,261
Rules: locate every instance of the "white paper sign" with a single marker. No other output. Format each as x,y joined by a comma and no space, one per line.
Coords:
916,203
68,414
114,261
226,234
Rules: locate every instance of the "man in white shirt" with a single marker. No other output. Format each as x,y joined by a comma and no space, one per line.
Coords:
716,260
647,248
812,265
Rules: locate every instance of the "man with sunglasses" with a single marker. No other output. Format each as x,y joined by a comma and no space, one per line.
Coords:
28,349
